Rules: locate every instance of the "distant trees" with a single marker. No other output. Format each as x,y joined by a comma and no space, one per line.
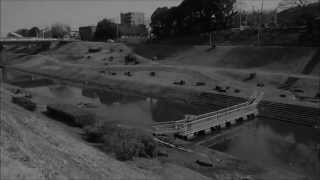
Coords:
298,16
105,30
34,32
59,30
23,32
192,17
284,4
160,23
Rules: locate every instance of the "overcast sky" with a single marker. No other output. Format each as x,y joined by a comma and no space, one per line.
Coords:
17,14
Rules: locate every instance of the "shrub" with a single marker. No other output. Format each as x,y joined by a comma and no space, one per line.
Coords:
125,143
152,73
93,133
94,49
130,59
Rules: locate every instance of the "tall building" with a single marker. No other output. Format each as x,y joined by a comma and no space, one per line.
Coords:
132,18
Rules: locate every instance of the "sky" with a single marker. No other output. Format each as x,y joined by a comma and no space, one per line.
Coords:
16,14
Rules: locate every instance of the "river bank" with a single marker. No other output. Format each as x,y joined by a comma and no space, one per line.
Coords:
279,109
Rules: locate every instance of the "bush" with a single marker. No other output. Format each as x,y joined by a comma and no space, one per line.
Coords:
93,133
94,49
130,59
59,30
125,143
105,30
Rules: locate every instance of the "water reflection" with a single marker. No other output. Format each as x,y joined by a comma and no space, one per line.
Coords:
109,97
273,143
122,106
163,110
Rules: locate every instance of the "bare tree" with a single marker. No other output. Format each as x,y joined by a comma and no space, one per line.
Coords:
59,30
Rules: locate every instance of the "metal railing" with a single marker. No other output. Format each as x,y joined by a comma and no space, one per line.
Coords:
213,118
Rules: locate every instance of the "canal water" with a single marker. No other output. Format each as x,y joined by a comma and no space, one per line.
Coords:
265,142
272,143
120,106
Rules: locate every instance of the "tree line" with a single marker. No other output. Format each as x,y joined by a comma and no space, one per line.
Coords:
57,30
192,17
107,29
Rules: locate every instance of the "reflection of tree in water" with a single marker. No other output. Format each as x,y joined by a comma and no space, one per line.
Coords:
295,155
109,97
88,92
170,111
302,134
61,91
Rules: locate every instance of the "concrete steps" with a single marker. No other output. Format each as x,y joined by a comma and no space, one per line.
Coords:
290,113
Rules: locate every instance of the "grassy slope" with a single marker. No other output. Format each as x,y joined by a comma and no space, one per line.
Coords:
284,59
35,147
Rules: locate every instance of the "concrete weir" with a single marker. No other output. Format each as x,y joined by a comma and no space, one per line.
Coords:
192,125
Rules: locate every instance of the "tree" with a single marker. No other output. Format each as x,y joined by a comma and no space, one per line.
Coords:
159,24
105,30
34,32
286,4
193,17
59,30
23,32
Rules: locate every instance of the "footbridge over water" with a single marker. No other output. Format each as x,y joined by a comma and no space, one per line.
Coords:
191,124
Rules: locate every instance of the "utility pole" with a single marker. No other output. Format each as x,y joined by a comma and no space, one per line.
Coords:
260,24
117,31
212,33
240,20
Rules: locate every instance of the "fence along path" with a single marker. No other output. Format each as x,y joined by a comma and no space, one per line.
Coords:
192,124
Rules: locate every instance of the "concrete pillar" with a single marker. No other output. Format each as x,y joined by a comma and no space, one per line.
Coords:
207,131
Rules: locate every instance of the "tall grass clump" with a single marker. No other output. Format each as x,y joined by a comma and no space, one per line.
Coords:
125,143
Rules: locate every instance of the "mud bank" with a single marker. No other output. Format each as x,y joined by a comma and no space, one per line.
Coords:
298,114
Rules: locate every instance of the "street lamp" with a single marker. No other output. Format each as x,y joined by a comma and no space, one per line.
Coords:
212,31
260,24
